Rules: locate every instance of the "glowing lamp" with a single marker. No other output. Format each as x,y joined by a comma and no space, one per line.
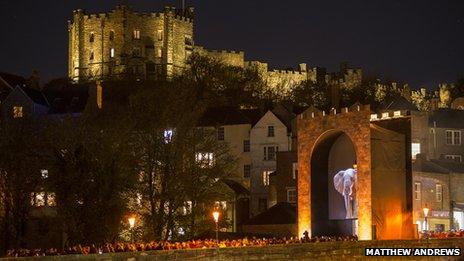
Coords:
426,211
131,222
216,216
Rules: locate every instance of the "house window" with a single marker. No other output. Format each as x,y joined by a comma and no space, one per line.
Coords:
415,149
270,131
136,34
397,114
417,190
262,204
220,133
17,112
112,52
205,159
137,52
92,37
168,135
266,177
111,35
247,171
246,146
160,35
38,199
439,192
457,158
51,199
385,115
453,137
294,170
291,195
270,152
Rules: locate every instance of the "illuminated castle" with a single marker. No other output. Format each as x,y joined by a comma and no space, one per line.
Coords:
158,44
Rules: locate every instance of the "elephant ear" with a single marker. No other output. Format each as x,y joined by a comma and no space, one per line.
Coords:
338,181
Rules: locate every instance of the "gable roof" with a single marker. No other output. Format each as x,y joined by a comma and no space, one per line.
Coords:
400,103
447,118
281,213
36,96
218,116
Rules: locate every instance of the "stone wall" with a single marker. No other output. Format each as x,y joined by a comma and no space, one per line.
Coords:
311,251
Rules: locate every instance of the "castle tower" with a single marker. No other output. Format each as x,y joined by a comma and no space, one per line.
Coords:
125,43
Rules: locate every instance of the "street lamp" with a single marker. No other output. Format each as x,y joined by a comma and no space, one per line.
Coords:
426,212
131,221
216,220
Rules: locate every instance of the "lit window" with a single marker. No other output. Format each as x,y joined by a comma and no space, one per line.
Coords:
417,190
38,199
188,53
220,133
111,35
385,115
17,112
396,113
246,170
205,159
187,208
457,158
438,192
415,149
453,137
246,146
266,177
112,52
270,152
270,131
160,35
295,170
51,199
373,116
221,204
168,135
291,195
159,52
136,34
44,173
92,37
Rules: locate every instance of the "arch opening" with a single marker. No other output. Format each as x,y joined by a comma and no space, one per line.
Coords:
333,185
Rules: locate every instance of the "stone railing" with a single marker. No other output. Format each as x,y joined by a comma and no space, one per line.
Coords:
310,251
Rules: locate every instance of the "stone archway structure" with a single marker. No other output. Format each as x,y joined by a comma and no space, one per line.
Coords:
381,193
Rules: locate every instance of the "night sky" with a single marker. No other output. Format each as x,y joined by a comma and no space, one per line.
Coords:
419,42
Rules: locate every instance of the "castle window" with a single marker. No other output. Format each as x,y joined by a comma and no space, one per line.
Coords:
246,170
17,112
160,35
112,53
188,53
91,56
159,53
136,34
92,37
188,40
111,35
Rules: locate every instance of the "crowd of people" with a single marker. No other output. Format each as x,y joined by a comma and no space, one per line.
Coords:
447,234
168,245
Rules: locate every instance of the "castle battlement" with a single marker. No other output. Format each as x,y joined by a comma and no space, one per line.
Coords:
227,52
287,71
313,113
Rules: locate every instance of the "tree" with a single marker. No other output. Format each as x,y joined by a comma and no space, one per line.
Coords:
89,175
308,93
21,160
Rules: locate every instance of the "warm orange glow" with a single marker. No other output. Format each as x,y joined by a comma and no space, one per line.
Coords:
131,222
216,216
426,211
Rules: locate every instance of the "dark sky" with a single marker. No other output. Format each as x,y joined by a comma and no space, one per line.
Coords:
420,42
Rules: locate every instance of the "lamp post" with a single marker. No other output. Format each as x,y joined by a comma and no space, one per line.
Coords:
216,220
426,212
131,221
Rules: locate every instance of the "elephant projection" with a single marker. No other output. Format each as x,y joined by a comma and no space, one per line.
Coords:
344,183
